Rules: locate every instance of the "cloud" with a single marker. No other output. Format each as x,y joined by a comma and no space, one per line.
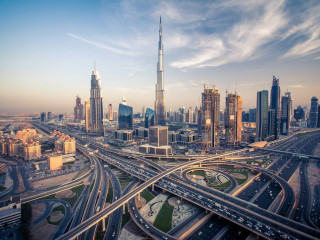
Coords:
306,33
100,45
297,86
243,41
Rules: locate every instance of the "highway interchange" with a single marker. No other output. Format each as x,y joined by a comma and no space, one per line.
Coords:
248,209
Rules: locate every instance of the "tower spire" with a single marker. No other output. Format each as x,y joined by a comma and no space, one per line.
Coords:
94,65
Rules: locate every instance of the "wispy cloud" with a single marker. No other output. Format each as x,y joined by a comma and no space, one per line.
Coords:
103,46
307,32
297,86
239,43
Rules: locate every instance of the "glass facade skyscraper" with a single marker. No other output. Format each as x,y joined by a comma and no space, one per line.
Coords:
149,118
314,112
96,108
125,117
275,104
286,108
159,105
262,115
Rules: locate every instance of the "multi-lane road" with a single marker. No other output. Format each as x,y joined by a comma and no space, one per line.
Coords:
243,213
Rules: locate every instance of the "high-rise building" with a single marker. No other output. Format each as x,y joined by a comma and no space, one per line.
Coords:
271,123
78,110
159,104
318,124
43,117
60,117
210,118
125,116
32,150
314,112
96,108
233,120
26,134
143,112
286,107
158,136
110,112
299,114
275,104
87,115
252,115
149,118
190,115
262,115
50,115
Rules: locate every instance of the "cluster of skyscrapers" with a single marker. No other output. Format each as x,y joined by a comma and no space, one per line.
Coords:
273,119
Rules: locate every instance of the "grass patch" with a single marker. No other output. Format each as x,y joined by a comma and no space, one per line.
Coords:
2,188
146,195
199,173
164,218
99,233
223,185
110,195
56,209
78,190
125,218
211,180
125,183
239,180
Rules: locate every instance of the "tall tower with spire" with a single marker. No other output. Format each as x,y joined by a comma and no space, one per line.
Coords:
159,104
96,108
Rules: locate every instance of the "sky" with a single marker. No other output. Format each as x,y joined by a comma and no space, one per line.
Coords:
48,49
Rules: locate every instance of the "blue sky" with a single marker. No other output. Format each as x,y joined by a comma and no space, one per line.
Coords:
48,49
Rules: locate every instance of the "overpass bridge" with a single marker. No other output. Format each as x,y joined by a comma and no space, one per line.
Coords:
285,225
300,155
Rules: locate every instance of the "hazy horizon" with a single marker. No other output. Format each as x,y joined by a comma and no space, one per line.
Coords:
48,50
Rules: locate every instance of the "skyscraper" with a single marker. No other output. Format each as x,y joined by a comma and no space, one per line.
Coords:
190,115
299,114
78,110
275,104
159,104
286,106
149,118
210,117
110,112
233,120
314,112
252,115
87,115
125,117
96,108
262,115
43,117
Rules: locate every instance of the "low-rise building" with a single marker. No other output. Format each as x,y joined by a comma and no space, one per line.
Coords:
149,149
55,162
142,133
63,142
124,135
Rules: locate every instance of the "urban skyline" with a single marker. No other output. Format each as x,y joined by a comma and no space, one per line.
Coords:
43,84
